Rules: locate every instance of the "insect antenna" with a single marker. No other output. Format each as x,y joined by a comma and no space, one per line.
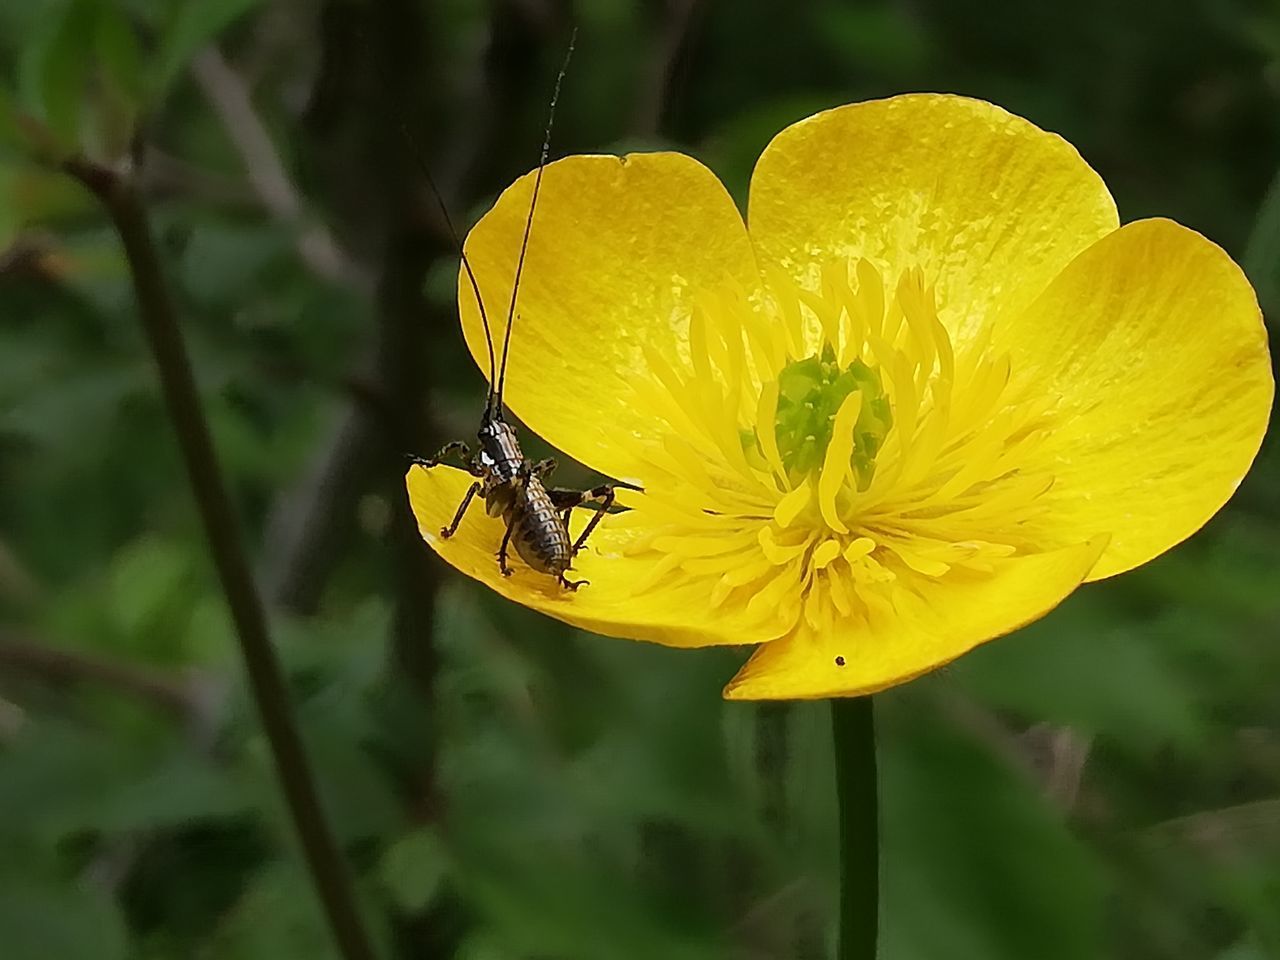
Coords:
495,395
421,159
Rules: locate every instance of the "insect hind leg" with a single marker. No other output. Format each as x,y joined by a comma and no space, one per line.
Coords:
572,585
502,552
452,528
565,500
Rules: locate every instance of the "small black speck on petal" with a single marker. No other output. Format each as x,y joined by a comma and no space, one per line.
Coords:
839,661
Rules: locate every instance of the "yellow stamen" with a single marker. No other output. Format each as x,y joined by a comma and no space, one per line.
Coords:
790,506
837,467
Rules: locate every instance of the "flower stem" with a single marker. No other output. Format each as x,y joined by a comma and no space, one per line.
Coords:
119,195
853,729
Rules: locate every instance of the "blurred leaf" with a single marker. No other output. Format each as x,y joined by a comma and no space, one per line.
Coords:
55,68
41,921
1261,260
1244,951
413,868
50,417
13,136
361,801
483,947
1082,668
194,24
980,867
119,53
60,779
886,38
543,901
152,587
121,77
277,918
184,791
223,260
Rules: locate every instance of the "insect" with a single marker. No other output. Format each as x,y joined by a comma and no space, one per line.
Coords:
536,516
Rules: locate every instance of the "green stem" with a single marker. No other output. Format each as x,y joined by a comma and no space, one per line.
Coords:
125,206
854,734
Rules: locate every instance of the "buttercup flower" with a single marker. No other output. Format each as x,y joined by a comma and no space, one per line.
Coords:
933,389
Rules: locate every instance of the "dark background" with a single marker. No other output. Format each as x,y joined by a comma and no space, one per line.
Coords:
1105,784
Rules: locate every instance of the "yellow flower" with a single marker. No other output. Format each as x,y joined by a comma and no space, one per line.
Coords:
932,390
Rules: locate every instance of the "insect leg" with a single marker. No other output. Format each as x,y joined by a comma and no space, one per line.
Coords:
603,495
502,551
449,531
572,585
453,446
543,468
568,499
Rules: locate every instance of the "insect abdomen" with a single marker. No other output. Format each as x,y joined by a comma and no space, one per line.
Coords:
538,532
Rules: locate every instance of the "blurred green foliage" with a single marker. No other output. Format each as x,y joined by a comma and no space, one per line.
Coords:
1106,784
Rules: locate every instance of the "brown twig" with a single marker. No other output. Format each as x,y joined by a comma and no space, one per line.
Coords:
119,195
60,665
231,100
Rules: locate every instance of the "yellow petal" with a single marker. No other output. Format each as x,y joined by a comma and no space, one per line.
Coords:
675,612
990,206
620,246
950,617
1154,342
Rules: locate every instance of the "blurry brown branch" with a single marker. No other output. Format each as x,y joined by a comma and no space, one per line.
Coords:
49,664
1233,830
231,100
672,38
122,200
1058,754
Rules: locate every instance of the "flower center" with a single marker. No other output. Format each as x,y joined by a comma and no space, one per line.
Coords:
828,447
819,400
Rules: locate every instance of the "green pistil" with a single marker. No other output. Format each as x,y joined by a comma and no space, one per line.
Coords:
810,393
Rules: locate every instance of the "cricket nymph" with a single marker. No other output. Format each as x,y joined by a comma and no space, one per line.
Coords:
536,518
514,491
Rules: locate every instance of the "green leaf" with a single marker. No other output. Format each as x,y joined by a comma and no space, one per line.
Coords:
13,135
43,921
121,80
279,918
153,586
887,39
1085,667
118,50
1261,260
195,24
977,865
1243,951
413,868
186,790
55,68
